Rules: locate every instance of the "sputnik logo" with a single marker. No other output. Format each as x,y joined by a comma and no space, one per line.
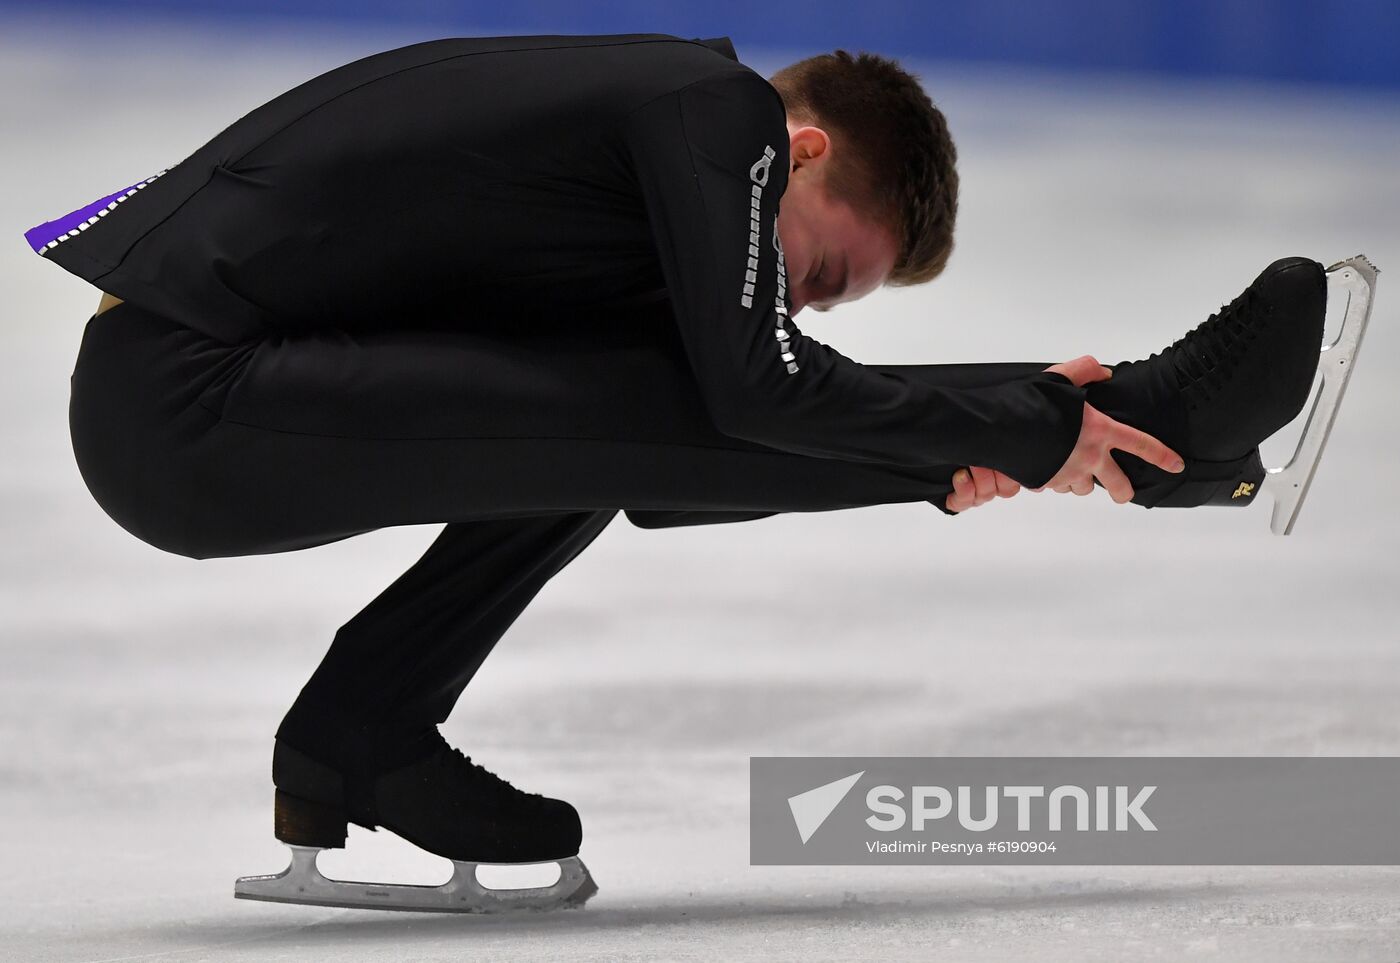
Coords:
811,808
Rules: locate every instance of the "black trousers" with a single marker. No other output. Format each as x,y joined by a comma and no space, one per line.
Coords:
526,442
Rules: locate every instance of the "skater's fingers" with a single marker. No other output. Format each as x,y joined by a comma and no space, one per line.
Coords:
1115,482
964,494
1082,370
1149,449
985,483
976,486
1006,485
1124,437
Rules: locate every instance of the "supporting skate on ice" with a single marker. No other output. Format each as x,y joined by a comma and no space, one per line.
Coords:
1217,393
441,802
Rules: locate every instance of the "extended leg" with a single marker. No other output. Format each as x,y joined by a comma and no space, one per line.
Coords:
944,375
213,451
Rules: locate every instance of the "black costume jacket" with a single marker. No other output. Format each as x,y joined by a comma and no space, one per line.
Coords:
511,178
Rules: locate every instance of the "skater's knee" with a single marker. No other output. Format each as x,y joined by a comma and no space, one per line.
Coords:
161,535
185,536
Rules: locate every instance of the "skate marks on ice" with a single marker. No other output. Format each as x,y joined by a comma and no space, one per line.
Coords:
218,939
944,913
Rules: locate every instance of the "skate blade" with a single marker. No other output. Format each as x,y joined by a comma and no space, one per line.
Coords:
1353,280
302,882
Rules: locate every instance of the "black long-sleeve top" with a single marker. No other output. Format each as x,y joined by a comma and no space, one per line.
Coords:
504,178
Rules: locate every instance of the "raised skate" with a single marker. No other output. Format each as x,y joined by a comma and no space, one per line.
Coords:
1217,393
1353,281
442,803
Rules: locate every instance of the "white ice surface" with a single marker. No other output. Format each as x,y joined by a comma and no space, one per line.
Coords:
139,691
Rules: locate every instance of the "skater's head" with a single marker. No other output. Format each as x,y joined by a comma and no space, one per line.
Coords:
873,190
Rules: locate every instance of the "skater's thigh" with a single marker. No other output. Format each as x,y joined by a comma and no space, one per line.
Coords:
208,450
627,380
330,432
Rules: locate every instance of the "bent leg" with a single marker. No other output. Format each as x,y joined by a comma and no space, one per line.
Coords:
401,663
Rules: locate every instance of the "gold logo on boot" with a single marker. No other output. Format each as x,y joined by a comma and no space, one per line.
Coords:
1244,491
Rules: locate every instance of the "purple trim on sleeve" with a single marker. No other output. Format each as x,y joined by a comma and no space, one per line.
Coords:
47,236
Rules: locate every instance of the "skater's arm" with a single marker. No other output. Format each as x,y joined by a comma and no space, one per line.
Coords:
712,161
1090,461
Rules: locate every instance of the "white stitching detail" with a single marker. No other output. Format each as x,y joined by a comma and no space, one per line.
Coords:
758,173
779,306
111,206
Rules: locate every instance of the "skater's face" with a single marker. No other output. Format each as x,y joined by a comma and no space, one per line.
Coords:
833,254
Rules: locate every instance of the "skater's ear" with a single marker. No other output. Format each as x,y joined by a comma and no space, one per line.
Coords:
808,147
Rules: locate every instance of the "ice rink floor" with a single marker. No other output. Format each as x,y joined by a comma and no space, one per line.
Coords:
139,691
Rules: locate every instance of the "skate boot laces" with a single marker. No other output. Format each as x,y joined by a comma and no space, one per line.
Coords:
474,776
1204,358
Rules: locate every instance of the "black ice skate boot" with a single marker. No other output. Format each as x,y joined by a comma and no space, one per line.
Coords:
437,799
440,801
1216,393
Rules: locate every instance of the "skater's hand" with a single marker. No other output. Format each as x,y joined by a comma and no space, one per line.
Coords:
1098,436
976,486
1082,370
